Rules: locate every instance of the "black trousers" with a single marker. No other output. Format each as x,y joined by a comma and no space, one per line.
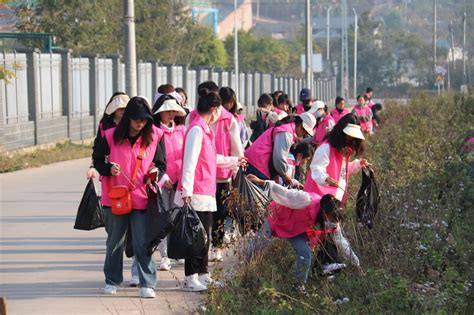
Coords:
220,215
199,264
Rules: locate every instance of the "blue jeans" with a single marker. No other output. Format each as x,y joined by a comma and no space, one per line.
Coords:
117,229
303,256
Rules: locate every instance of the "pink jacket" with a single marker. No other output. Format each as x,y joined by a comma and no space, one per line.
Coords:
126,156
260,152
321,129
174,144
286,222
365,116
335,114
334,171
205,174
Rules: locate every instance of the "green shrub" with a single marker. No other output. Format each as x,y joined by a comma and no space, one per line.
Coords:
418,258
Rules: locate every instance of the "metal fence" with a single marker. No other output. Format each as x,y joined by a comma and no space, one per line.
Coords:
55,96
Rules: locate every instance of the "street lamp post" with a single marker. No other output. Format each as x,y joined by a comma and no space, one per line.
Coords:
130,48
309,70
355,52
236,52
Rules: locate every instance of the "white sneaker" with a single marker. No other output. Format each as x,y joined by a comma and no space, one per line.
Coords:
179,261
134,282
192,284
331,268
110,289
165,264
216,255
147,293
206,279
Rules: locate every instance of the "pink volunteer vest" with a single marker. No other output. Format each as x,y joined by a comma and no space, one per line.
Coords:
300,109
334,171
205,173
364,111
174,144
260,152
126,156
222,139
321,129
336,116
286,222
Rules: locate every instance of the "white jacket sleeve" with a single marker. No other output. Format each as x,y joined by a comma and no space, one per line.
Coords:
319,164
236,148
354,167
192,149
344,249
231,162
291,198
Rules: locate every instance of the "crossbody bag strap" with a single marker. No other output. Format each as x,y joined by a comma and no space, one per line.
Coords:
138,164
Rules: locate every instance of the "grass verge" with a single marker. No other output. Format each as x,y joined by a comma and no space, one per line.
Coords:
60,152
417,258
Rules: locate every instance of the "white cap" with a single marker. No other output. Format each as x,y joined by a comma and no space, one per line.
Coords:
119,101
354,131
171,105
317,105
309,122
239,106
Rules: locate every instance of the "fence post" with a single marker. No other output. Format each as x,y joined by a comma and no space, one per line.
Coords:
33,97
66,85
116,77
93,95
185,77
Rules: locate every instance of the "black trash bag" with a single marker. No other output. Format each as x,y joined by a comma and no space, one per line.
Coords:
128,242
368,199
251,208
258,127
188,238
90,214
160,221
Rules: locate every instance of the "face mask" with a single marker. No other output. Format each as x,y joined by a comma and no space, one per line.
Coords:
318,114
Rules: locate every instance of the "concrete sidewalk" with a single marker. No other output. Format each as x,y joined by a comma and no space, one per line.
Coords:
47,267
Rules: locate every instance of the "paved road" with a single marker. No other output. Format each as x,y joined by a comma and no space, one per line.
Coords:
47,267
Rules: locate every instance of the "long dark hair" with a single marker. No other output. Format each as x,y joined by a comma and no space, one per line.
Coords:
329,205
107,121
289,119
228,95
121,133
338,139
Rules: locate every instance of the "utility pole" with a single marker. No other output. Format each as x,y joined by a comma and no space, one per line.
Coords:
309,68
328,30
464,73
355,51
344,53
434,32
130,48
236,52
452,45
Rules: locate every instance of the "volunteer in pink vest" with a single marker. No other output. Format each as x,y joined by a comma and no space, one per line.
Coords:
299,155
331,167
165,110
112,115
339,110
244,132
274,145
197,185
293,213
324,122
364,113
306,100
280,111
116,157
